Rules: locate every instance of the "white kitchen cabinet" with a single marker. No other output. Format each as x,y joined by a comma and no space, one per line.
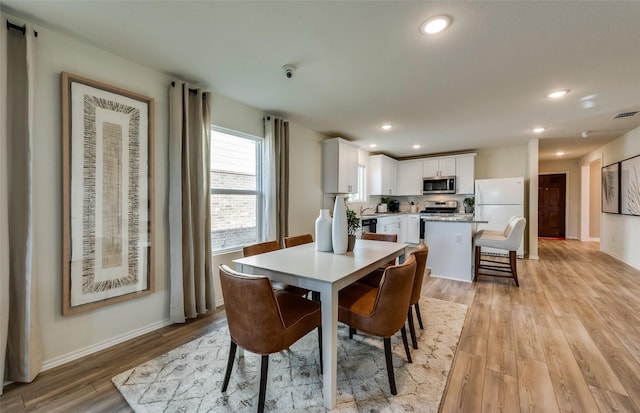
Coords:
410,177
439,167
465,174
383,175
391,225
413,229
339,167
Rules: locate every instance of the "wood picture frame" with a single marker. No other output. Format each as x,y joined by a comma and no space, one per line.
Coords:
108,195
611,188
630,186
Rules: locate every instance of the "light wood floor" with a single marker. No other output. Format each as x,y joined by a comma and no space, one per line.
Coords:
567,340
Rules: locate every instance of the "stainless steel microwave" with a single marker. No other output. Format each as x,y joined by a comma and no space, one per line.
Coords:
439,185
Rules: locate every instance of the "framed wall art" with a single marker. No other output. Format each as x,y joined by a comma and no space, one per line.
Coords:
611,188
107,141
630,186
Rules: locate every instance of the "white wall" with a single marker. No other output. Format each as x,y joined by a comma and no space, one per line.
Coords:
572,171
64,335
619,234
305,190
508,162
66,338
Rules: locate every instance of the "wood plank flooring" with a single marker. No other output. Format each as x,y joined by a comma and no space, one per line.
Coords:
567,340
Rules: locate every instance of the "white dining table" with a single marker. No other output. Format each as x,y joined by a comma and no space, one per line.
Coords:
326,273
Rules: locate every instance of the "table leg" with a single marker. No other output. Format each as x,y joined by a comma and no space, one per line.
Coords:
329,298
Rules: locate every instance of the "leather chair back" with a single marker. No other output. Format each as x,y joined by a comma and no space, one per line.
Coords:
390,308
253,314
381,237
297,240
260,248
375,236
420,255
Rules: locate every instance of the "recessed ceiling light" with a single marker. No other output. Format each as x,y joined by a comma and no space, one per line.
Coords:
373,145
416,146
559,153
557,93
435,24
538,130
387,126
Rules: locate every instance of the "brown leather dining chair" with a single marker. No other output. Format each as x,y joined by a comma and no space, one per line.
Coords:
373,279
297,240
268,246
420,255
263,321
381,311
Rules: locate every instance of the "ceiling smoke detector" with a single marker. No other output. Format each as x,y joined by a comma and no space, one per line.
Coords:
585,133
289,70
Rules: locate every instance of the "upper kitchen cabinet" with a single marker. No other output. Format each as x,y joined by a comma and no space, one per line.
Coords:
465,174
410,177
339,167
383,175
439,167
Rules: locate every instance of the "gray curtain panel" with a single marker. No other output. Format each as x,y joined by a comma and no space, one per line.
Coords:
20,340
192,289
276,178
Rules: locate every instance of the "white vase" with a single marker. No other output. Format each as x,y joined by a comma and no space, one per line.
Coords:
339,226
323,231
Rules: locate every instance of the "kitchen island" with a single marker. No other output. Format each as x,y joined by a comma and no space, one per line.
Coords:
450,241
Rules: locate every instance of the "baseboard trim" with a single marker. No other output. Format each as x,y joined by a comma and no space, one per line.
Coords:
617,257
594,239
74,355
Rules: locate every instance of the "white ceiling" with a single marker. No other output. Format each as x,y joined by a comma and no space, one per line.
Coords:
480,84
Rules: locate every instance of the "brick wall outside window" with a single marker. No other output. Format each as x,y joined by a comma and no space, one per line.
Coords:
233,217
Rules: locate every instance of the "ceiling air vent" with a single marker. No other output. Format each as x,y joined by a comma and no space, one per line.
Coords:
626,114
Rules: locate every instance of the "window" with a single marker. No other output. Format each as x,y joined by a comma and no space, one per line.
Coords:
361,195
235,189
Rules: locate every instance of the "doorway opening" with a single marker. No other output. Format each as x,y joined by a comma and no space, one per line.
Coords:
595,192
552,195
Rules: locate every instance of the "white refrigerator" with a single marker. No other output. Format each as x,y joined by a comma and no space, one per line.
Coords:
497,200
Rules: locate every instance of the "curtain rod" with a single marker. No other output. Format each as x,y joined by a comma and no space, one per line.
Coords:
194,91
22,29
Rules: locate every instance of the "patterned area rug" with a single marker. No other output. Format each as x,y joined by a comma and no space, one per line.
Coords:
189,378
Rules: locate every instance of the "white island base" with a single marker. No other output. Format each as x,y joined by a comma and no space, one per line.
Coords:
450,249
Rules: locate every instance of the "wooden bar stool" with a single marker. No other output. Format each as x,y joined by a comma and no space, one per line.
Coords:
509,240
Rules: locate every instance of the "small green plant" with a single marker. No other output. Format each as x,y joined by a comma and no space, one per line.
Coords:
353,222
469,201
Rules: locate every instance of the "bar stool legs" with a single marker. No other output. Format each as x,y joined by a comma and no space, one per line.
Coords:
496,266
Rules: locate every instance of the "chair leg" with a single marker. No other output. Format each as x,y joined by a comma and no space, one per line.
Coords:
227,374
320,346
512,262
263,382
477,263
417,307
412,329
403,330
352,331
387,356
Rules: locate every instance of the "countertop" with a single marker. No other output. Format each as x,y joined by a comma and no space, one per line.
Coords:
456,218
466,218
387,214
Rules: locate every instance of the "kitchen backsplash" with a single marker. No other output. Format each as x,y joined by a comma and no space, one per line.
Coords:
405,201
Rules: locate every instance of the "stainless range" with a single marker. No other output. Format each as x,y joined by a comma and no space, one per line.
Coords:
436,209
439,208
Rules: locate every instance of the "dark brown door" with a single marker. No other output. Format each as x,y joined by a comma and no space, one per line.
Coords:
552,191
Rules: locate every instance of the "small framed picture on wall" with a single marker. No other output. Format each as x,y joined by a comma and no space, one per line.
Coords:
630,186
611,188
